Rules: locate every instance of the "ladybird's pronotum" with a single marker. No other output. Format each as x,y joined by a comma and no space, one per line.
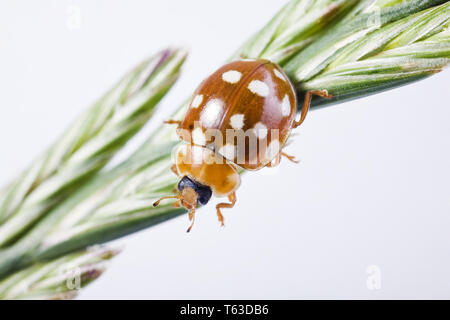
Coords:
240,116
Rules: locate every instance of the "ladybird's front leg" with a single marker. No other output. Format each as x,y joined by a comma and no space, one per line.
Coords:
191,215
232,199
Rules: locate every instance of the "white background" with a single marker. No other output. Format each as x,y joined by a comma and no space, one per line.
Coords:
372,187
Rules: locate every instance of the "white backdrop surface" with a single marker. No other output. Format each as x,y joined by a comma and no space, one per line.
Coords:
370,198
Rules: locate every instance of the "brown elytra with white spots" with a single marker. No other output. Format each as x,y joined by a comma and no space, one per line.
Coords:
253,100
241,115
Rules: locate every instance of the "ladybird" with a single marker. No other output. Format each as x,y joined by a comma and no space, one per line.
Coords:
240,117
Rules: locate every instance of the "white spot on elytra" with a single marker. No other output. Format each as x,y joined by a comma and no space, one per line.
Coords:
285,106
260,130
197,101
258,87
211,113
231,76
228,151
237,121
198,137
279,74
197,154
273,149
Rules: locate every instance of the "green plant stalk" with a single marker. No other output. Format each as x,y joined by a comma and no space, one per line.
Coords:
162,78
119,210
72,211
294,27
85,128
96,214
129,182
401,51
88,144
59,279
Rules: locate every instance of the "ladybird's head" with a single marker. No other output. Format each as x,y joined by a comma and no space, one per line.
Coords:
193,193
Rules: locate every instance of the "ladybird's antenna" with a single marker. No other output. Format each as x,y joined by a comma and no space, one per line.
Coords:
156,203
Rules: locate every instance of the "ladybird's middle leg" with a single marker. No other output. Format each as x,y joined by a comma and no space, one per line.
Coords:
191,218
232,199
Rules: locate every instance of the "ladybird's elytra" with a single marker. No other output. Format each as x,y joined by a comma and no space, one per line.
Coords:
250,107
252,96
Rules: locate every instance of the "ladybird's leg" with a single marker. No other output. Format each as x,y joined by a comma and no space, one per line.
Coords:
275,162
170,121
232,199
289,157
191,218
307,103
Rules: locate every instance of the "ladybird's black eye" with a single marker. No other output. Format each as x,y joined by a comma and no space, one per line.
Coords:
204,194
185,182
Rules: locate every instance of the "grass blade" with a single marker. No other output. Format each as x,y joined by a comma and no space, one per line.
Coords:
75,158
350,48
58,279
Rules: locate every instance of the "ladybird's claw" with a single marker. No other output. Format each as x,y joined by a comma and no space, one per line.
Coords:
221,218
323,94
